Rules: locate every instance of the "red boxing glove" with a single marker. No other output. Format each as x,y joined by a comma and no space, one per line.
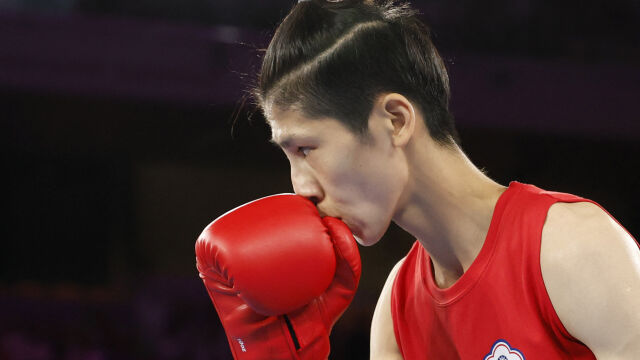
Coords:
279,277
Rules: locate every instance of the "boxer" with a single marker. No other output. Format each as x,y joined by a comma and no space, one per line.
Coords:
357,97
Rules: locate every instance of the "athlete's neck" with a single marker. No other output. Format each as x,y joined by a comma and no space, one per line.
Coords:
447,206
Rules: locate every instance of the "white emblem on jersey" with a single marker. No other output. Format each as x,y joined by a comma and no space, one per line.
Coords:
502,351
241,343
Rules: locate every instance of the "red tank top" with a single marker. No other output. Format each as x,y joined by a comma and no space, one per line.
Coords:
499,309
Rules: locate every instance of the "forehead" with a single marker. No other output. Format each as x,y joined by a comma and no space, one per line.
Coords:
285,121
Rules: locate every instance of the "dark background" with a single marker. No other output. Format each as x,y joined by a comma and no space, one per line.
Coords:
118,149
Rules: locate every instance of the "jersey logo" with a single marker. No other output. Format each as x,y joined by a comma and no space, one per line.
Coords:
241,343
501,350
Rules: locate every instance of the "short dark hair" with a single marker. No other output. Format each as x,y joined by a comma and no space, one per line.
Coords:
332,58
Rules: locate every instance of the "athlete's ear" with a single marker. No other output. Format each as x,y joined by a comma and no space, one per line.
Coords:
401,118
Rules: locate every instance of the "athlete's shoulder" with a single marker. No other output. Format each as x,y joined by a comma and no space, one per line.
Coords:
591,270
574,230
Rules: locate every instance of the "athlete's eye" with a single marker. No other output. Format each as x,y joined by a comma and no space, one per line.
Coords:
304,150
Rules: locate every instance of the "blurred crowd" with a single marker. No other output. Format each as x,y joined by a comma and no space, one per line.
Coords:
166,318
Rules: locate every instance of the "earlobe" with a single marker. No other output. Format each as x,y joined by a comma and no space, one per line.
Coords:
402,118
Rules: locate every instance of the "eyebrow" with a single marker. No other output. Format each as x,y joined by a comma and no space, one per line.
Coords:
283,144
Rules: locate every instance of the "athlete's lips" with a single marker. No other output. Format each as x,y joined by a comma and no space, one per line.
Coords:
324,214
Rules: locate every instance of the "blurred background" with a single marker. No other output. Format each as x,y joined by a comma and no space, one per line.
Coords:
118,149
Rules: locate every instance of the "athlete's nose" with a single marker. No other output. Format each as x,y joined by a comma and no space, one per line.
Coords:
304,183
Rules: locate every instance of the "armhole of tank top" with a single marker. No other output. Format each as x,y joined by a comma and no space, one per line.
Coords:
547,305
394,304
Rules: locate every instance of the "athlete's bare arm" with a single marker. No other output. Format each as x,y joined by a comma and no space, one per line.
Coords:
383,340
591,269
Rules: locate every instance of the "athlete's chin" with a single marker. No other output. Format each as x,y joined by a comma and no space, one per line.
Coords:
364,233
367,238
360,236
